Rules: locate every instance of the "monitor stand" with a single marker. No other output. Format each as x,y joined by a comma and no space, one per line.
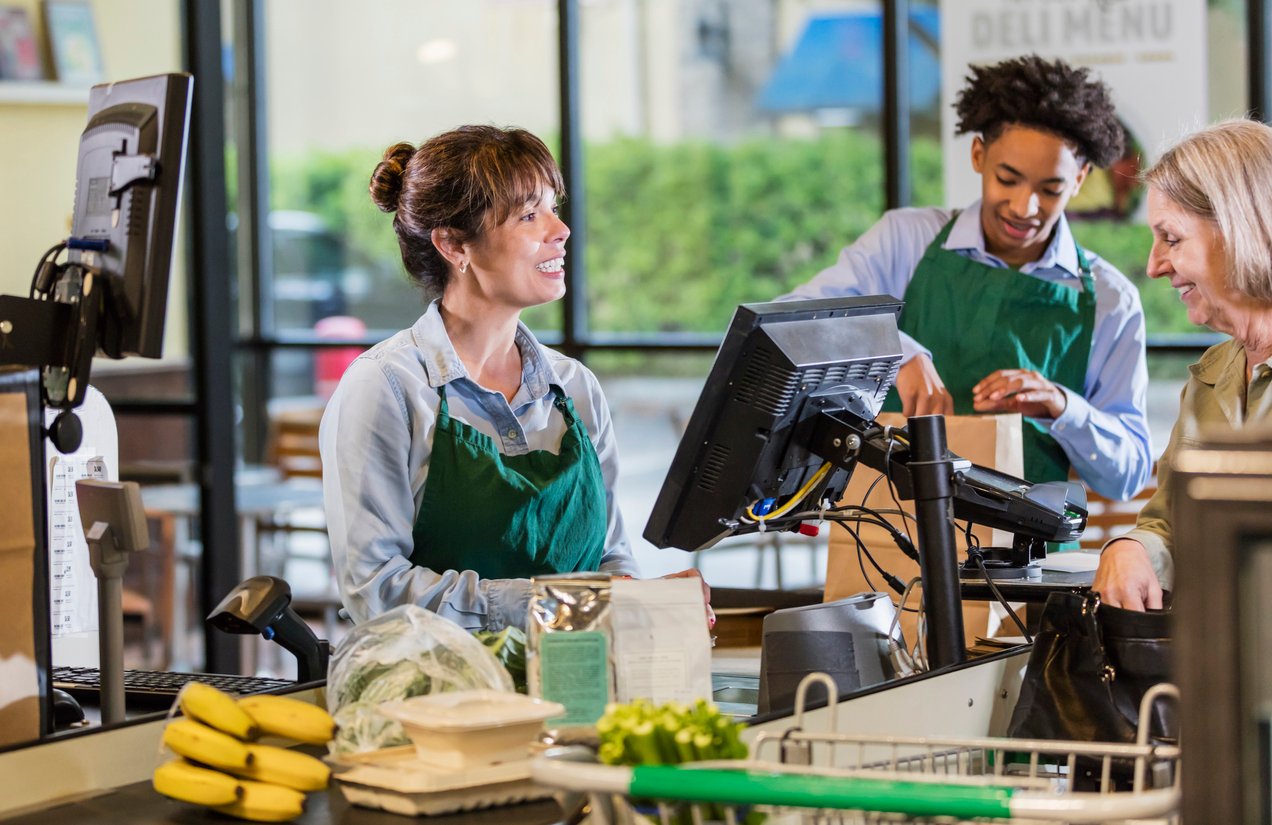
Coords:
1023,589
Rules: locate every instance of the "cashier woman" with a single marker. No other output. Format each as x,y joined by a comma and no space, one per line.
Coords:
1004,312
461,456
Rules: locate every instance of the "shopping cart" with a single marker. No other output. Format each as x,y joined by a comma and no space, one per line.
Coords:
805,777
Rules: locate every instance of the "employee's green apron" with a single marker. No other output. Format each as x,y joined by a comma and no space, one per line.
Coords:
511,516
977,318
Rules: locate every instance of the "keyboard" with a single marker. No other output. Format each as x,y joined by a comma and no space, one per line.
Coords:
154,688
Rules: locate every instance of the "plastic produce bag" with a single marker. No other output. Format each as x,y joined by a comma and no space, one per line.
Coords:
406,652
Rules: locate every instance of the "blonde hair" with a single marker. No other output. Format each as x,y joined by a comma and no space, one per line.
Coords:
1224,174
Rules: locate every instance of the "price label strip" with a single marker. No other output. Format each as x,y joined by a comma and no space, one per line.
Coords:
73,591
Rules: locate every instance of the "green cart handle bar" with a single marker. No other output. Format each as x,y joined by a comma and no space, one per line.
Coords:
752,786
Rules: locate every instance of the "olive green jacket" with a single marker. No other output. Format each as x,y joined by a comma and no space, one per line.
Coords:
1216,396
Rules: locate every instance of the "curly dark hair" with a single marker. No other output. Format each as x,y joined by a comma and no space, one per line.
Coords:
466,180
1050,96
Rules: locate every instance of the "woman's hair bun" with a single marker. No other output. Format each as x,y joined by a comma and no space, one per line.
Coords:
386,180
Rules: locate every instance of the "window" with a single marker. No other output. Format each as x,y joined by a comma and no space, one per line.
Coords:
343,82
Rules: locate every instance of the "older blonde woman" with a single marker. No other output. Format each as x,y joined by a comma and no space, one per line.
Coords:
1210,209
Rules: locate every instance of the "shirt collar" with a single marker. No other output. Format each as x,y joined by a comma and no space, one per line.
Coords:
1062,253
443,365
1219,361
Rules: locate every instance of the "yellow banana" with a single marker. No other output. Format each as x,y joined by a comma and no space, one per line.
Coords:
218,709
287,767
291,718
201,743
265,802
179,779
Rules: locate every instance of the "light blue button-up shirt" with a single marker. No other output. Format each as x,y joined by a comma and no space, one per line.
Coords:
1104,427
376,438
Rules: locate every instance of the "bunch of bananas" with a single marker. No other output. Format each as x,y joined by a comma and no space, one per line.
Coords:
218,764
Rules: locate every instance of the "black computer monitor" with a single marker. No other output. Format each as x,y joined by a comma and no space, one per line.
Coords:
795,387
128,187
780,366
788,411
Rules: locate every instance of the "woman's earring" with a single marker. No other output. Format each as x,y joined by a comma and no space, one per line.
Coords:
463,267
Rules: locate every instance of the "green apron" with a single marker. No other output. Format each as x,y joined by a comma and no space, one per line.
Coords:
511,516
977,318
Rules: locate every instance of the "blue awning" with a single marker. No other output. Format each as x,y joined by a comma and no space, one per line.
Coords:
837,63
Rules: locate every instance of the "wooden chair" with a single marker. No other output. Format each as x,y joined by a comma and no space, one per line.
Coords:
1108,518
293,449
293,443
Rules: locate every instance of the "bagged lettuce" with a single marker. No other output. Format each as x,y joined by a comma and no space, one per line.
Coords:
408,651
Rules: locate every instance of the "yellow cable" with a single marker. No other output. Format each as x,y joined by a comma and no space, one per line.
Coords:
795,499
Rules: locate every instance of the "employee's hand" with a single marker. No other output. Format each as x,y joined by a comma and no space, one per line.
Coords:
1022,391
921,389
1126,578
706,591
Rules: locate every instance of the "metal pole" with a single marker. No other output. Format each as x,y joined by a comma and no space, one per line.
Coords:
1259,42
254,264
896,102
220,565
930,471
574,210
110,620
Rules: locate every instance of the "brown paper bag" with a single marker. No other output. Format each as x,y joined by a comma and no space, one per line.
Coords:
19,678
992,441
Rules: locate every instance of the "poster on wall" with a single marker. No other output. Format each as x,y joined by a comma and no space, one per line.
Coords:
1151,53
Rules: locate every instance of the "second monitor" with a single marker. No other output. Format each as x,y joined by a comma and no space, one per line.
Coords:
745,448
788,411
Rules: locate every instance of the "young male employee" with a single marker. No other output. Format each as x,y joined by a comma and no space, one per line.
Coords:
1004,312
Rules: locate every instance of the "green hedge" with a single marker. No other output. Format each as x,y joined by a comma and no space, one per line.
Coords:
679,234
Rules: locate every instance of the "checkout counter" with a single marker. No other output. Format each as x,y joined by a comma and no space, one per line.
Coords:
103,776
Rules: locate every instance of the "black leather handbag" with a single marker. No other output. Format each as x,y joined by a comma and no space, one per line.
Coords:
1090,666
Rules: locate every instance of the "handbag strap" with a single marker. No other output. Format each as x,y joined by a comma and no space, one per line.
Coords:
1090,618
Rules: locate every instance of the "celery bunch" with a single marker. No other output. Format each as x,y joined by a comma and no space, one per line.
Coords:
641,733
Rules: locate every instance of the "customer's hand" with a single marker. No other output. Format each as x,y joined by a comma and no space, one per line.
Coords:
1126,577
706,591
921,389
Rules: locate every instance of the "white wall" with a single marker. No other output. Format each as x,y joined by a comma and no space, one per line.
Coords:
39,142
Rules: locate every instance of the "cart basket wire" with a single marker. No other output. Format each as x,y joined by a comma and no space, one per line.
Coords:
992,779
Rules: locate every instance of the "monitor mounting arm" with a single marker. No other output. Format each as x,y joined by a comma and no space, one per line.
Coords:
929,475
58,334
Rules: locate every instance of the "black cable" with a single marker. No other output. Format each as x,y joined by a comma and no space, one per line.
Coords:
39,267
895,583
861,554
892,487
976,556
902,540
972,540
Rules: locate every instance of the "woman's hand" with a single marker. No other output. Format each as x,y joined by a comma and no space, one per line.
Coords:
1022,391
706,591
921,389
1126,577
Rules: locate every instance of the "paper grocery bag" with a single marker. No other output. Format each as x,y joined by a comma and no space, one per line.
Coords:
19,660
992,441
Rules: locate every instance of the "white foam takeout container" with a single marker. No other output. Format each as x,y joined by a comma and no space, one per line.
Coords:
469,728
394,779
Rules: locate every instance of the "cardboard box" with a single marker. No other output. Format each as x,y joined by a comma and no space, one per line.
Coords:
23,657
